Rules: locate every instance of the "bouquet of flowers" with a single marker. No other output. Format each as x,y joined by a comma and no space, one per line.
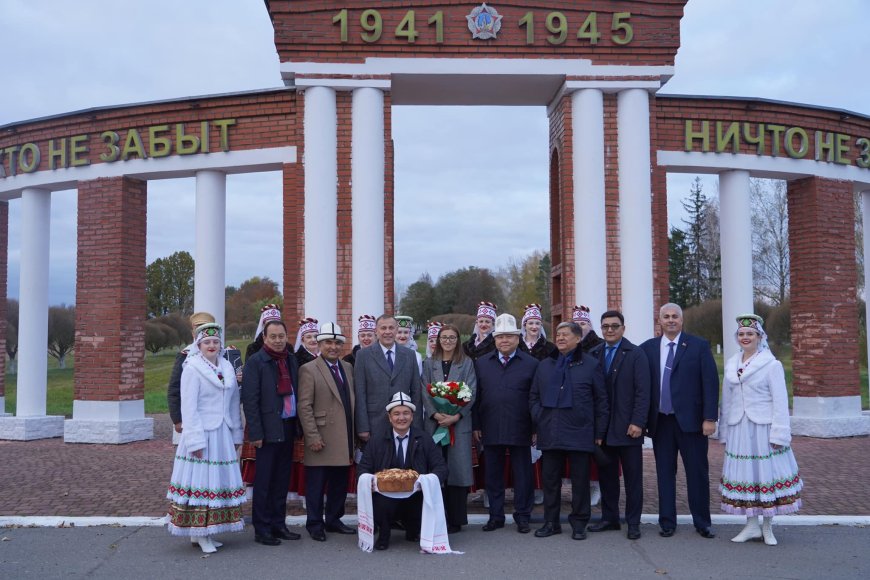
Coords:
449,397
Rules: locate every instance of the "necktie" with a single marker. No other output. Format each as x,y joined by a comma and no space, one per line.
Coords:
400,452
390,359
505,360
667,406
608,358
336,373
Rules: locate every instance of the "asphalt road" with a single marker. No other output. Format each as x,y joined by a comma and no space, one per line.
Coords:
149,552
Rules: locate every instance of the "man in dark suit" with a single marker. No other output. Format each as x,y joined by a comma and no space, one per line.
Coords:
401,447
627,379
503,422
381,370
683,414
269,396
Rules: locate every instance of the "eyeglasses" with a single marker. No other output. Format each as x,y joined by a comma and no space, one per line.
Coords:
448,338
611,326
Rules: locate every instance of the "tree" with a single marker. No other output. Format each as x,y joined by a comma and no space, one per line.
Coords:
702,264
169,284
419,300
158,336
461,290
681,286
770,253
524,282
180,325
12,333
243,304
544,281
61,332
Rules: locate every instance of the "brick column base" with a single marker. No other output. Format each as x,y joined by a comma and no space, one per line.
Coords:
109,404
824,311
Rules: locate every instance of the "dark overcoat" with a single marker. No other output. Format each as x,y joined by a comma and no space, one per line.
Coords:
260,398
502,410
628,391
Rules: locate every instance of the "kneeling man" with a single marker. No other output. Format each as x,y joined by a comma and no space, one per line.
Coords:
402,448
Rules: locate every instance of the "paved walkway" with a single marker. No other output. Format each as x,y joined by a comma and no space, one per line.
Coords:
52,478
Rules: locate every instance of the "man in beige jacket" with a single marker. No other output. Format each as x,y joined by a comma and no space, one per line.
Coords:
326,407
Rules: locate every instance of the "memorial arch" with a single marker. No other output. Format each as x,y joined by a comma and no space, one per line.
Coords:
596,67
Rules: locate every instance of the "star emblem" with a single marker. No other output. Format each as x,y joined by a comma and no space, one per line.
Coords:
484,22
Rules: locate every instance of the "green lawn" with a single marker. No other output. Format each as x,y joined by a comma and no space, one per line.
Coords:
159,366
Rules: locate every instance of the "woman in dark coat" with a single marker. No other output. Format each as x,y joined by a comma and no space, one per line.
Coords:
482,341
365,334
534,339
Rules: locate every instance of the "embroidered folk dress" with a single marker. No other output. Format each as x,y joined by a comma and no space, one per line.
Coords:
207,492
756,478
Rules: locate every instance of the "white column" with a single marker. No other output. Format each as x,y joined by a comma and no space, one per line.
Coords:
590,224
31,421
635,213
209,278
367,203
735,242
321,203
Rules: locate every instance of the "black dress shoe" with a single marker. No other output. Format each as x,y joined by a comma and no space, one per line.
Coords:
633,532
493,525
267,540
578,535
548,530
382,544
666,532
706,533
523,527
317,535
286,534
603,526
340,528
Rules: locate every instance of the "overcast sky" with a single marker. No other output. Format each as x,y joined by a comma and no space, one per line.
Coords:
458,202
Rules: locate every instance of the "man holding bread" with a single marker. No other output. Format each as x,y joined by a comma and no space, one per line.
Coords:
404,448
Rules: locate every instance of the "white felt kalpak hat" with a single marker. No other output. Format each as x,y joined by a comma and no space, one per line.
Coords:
506,324
401,399
330,331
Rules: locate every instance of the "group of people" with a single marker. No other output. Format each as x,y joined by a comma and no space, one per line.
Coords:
584,402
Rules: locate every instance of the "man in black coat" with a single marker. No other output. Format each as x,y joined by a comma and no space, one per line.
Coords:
502,421
683,412
401,447
568,404
626,376
269,397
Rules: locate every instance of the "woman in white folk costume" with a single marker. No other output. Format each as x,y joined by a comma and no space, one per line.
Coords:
206,488
534,342
432,337
759,475
405,337
306,351
583,317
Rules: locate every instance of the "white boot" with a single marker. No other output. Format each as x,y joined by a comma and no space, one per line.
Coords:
215,543
595,489
206,545
767,531
750,531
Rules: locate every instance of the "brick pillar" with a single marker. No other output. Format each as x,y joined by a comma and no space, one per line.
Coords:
562,210
4,260
109,405
389,210
824,312
611,196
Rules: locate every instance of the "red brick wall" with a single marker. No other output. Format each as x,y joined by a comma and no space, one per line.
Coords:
671,113
110,290
562,209
824,320
4,261
304,31
611,206
660,230
265,119
344,257
389,206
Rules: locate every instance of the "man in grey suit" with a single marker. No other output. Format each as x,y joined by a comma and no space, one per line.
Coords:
382,370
